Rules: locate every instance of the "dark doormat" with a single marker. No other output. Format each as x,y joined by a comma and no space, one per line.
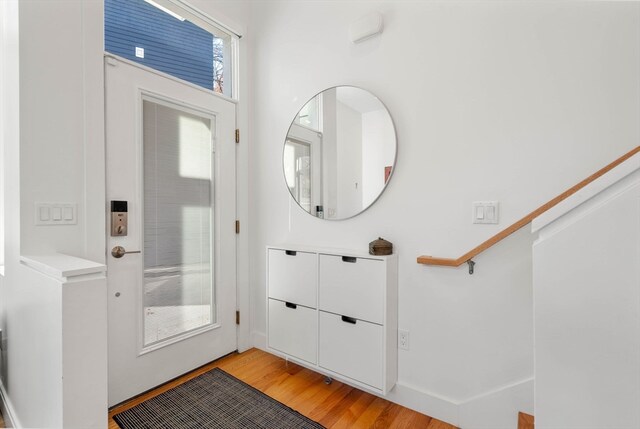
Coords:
214,399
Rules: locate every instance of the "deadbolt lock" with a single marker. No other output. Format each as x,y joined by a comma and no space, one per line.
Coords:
119,218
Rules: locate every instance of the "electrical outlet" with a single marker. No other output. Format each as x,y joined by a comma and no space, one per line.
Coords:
403,339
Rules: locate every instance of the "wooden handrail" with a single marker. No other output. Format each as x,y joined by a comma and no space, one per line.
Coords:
431,260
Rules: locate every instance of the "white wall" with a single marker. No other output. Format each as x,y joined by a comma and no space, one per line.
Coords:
61,123
53,153
35,351
507,101
587,307
4,57
10,135
10,169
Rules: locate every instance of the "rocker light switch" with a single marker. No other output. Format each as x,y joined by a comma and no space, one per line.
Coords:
67,213
45,213
485,212
55,214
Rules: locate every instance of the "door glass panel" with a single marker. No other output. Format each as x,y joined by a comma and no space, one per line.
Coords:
178,219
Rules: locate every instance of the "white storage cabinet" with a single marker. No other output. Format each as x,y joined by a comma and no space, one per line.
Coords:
335,312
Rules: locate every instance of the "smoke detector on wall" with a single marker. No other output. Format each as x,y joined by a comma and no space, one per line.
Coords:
366,27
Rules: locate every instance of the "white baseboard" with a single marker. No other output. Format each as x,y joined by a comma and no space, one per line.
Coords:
259,340
424,402
8,412
499,408
496,409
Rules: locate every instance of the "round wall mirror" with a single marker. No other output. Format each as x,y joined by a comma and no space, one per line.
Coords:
339,153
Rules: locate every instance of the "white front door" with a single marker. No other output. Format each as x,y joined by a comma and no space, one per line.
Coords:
171,166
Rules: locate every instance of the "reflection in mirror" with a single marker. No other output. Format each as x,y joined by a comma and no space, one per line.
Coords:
339,153
297,169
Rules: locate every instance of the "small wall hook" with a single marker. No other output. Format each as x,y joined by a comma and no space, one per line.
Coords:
471,265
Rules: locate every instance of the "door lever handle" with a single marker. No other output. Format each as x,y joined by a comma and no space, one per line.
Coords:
119,252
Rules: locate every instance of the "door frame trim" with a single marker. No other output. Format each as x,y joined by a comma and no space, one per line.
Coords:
108,57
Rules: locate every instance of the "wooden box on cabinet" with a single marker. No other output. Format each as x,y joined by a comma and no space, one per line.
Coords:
335,312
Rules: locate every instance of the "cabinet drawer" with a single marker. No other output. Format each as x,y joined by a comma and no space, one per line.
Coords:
293,276
353,350
353,287
293,330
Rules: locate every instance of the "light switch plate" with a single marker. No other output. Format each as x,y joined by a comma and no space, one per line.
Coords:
56,214
485,212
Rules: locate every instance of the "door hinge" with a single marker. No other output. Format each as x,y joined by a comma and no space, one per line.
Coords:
237,227
237,135
237,317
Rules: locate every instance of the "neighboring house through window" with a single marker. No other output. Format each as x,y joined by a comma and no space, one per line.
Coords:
157,35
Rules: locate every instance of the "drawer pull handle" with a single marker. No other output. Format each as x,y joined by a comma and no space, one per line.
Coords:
350,259
290,252
291,305
349,320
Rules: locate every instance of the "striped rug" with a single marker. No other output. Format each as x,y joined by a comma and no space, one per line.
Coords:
214,399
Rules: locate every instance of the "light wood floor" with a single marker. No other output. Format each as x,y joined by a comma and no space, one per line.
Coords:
525,421
334,406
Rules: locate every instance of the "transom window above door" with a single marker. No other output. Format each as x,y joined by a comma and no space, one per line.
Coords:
162,35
